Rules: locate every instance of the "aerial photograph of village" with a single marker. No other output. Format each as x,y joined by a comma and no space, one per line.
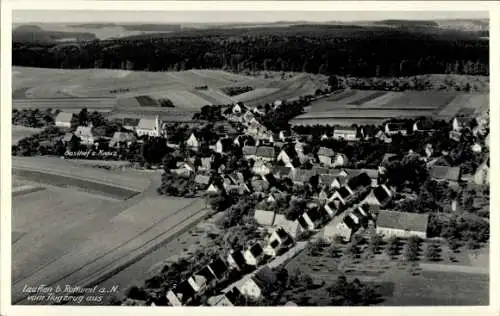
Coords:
250,158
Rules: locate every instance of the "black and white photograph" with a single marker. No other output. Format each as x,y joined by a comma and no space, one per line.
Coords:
250,158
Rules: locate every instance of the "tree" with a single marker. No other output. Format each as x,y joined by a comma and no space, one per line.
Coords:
83,117
432,252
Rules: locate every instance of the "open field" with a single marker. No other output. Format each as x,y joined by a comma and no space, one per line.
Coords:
104,89
374,107
110,245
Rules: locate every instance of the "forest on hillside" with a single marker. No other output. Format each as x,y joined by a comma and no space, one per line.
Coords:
360,52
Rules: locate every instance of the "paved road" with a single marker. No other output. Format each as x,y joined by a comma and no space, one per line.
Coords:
113,239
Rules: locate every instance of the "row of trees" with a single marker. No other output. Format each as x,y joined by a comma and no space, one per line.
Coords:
364,52
34,117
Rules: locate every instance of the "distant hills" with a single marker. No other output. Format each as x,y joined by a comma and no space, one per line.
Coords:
104,31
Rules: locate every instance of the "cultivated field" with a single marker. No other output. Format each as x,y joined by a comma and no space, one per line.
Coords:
373,107
77,88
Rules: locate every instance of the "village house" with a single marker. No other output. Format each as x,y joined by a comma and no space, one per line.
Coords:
302,176
343,195
359,182
340,160
181,294
402,224
223,145
396,128
281,172
346,133
236,260
310,219
198,282
444,173
461,123
325,156
206,163
254,255
65,120
89,135
228,299
333,207
119,138
150,127
289,157
345,229
272,220
252,287
278,242
266,153
193,142
213,188
261,168
383,137
379,196
202,181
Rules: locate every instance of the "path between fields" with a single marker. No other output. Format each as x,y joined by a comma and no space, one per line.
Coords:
453,268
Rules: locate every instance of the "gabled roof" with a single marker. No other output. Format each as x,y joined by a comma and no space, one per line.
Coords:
186,290
344,192
324,151
249,150
445,173
265,152
463,121
280,170
256,250
321,170
218,267
326,178
303,175
361,180
349,222
314,214
122,137
206,273
64,117
403,220
382,193
239,258
282,233
332,205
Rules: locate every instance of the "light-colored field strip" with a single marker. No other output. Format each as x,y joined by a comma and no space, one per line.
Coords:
25,189
254,94
453,268
381,100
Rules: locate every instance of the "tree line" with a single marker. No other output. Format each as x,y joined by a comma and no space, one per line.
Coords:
361,52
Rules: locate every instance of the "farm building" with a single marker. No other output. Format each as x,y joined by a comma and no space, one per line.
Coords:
65,120
346,133
253,285
402,224
88,134
310,219
443,173
481,176
181,294
249,152
149,126
379,196
340,160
